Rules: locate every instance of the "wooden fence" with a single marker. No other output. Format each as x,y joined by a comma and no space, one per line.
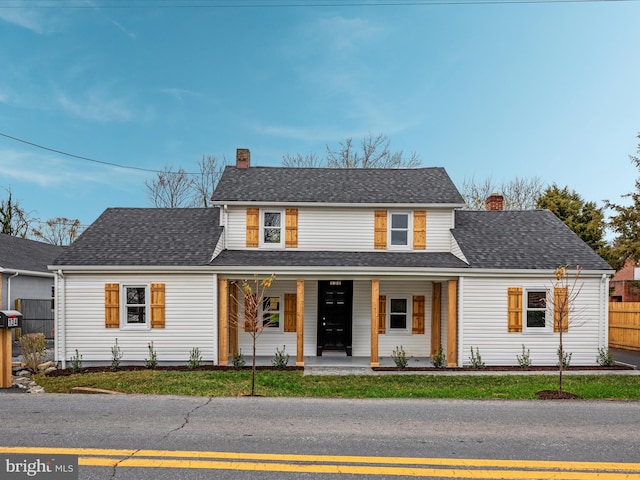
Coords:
624,325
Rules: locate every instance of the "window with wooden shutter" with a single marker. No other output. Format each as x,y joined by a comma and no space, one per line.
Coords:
253,227
157,305
380,230
382,313
420,230
291,228
112,305
290,311
514,309
560,309
418,314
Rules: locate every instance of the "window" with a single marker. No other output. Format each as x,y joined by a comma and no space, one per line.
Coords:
398,313
399,231
271,312
271,228
536,309
135,305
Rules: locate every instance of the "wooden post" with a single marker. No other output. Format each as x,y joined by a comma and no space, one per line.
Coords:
452,324
300,323
6,379
233,318
223,321
436,317
375,306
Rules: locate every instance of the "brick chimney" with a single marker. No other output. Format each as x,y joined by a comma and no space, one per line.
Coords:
494,202
243,158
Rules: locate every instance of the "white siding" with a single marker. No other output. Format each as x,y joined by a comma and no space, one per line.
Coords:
340,229
190,319
484,305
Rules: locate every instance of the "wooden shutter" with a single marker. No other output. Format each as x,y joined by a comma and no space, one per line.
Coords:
418,314
420,230
250,314
253,227
515,309
380,230
291,228
290,311
382,313
157,305
112,305
560,307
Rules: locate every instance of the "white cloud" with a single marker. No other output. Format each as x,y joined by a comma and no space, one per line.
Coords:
32,20
96,105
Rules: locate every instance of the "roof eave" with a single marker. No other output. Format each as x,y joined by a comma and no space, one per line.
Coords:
234,203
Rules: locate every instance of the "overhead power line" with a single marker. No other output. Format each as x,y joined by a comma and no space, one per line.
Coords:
87,159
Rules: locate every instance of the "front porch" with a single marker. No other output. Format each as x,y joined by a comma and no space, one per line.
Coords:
304,309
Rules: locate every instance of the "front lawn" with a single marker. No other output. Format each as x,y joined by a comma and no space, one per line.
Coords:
274,383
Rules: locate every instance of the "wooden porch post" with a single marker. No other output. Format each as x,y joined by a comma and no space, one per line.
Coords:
452,324
223,321
300,323
233,318
375,306
436,317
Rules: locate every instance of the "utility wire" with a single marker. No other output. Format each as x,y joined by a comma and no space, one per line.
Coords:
80,157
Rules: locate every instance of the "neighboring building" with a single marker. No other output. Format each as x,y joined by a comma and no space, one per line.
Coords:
365,260
24,273
625,284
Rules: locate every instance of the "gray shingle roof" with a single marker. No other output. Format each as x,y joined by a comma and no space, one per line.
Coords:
22,254
249,258
532,239
337,185
147,237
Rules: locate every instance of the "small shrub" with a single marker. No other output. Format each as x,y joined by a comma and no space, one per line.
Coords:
152,361
565,357
400,357
76,362
237,360
33,350
605,358
476,359
116,356
439,359
281,358
195,359
524,360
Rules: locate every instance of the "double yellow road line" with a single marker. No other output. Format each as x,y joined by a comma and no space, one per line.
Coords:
338,464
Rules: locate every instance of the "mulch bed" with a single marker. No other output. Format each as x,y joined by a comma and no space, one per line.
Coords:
177,368
556,395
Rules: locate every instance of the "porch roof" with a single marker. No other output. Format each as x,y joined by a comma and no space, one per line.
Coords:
248,258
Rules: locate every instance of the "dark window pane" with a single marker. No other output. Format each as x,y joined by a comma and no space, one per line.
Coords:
398,305
135,295
398,237
400,221
271,235
397,321
136,314
536,299
271,219
535,319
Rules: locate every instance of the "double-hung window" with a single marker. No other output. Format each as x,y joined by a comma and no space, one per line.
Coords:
398,314
399,231
136,306
536,310
271,312
272,233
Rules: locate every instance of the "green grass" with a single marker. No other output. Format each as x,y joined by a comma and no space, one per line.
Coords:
294,384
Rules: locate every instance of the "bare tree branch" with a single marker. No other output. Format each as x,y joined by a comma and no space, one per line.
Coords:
171,189
58,231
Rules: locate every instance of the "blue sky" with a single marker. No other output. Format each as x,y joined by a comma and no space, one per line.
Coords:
484,90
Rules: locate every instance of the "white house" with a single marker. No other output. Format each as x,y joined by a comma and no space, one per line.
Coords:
364,260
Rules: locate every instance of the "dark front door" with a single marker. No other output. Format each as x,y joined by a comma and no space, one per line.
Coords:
334,315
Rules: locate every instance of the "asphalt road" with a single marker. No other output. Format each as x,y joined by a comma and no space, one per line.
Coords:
455,432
